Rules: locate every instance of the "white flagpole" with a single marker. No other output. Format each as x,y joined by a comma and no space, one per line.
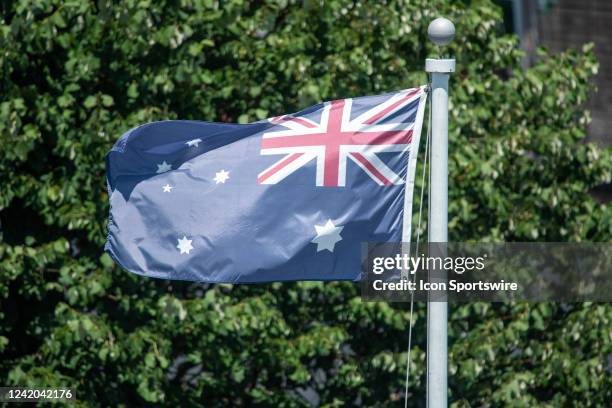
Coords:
441,31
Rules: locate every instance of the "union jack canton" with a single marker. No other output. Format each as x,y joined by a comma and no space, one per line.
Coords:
347,129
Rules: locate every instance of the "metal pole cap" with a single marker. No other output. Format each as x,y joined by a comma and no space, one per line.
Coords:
441,31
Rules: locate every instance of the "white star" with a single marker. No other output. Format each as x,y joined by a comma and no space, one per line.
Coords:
163,167
221,176
184,245
167,188
193,142
327,236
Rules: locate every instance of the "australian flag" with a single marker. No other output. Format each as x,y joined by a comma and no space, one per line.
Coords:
293,197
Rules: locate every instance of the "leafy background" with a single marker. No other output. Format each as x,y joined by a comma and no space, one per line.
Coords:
74,75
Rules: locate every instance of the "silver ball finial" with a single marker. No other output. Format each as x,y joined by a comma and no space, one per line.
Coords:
441,31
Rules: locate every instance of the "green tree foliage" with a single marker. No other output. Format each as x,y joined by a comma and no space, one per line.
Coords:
74,75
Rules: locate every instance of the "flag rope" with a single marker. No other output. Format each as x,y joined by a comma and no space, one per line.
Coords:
418,237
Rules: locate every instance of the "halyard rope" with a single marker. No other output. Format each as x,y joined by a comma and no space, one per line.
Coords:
418,237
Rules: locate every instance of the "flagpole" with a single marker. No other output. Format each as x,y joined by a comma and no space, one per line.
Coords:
441,31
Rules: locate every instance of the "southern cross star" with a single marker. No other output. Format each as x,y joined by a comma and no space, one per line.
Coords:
221,176
194,142
184,245
163,167
328,235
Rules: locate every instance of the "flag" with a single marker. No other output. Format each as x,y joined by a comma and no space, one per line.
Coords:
292,197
